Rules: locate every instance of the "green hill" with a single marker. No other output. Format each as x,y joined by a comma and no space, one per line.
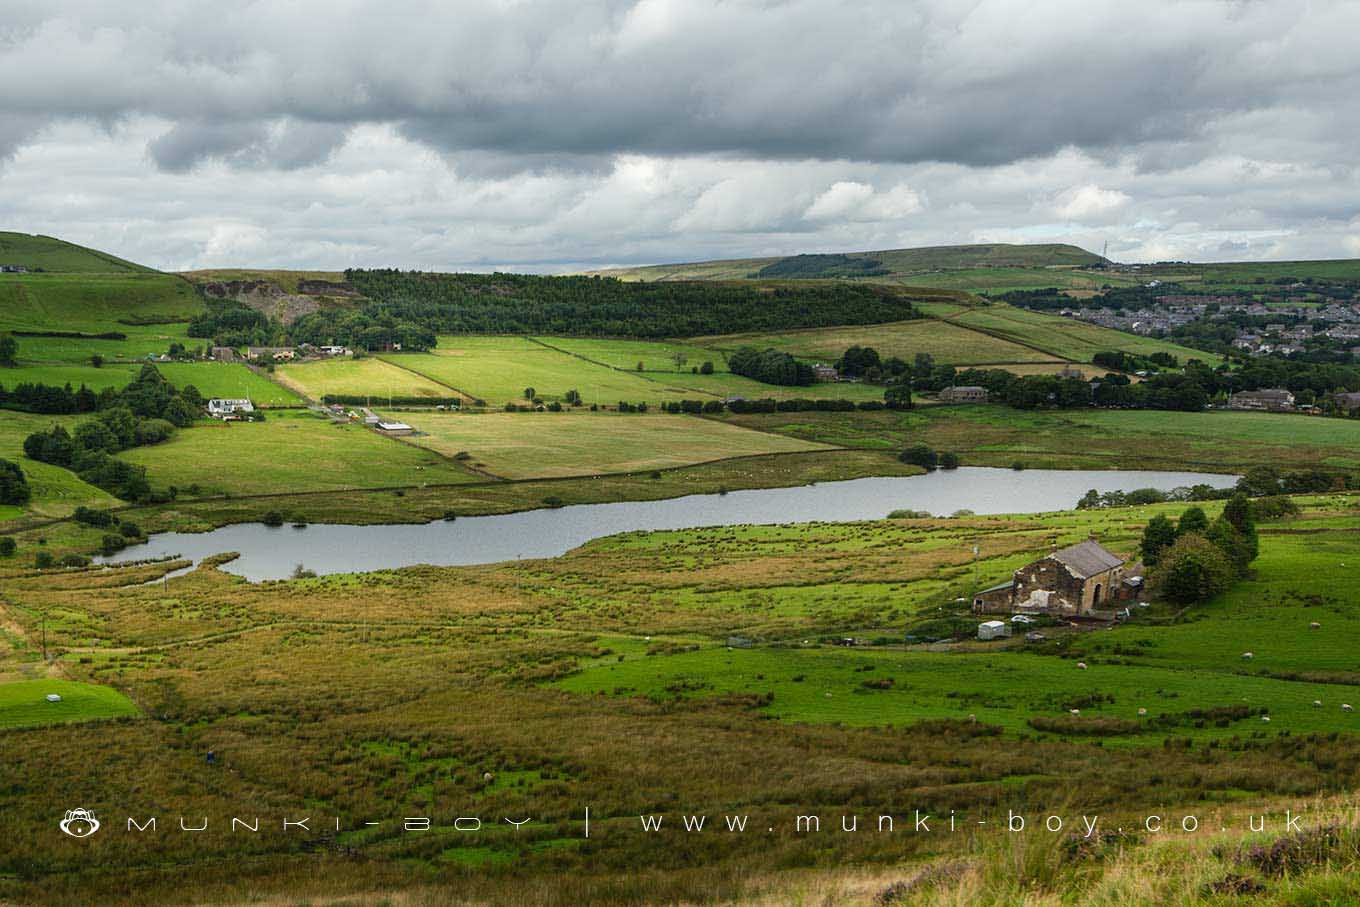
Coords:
45,253
888,264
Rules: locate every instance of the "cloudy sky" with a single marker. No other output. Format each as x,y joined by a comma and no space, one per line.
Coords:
542,135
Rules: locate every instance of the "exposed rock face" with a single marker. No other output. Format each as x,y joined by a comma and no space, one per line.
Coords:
269,298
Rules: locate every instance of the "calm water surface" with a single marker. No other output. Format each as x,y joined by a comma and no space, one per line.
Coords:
272,553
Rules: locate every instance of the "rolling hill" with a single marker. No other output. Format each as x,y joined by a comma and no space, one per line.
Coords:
888,264
46,253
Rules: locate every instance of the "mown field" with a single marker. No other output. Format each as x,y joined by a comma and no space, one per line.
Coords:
948,343
290,452
603,678
359,377
540,445
23,703
228,379
1121,439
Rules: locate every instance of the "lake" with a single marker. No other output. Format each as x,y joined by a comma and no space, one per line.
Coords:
273,552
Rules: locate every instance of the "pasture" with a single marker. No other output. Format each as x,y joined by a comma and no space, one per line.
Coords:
359,377
549,445
299,452
228,379
56,491
115,375
141,341
94,303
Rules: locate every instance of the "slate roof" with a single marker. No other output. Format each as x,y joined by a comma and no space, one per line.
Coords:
1087,559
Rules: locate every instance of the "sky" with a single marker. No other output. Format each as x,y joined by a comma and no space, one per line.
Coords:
548,136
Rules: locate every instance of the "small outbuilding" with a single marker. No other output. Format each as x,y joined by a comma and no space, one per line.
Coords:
993,629
394,428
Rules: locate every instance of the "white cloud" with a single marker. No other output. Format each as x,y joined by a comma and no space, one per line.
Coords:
1082,202
847,200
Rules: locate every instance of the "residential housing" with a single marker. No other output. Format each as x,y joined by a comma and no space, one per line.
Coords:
228,410
1274,399
965,393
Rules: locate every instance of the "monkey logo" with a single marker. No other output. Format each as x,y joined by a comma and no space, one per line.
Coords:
79,823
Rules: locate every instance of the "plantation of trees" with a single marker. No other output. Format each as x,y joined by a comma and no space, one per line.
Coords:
522,303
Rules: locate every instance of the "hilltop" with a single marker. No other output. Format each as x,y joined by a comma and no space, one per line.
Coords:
886,264
46,253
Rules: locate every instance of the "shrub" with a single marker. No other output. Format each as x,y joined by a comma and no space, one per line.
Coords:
13,486
706,368
7,546
272,518
43,559
97,518
74,560
553,500
949,460
920,455
1191,570
129,529
112,544
1275,507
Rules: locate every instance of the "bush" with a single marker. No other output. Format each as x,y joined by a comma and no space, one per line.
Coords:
74,560
920,455
97,518
706,368
553,500
272,518
949,460
13,486
112,544
1273,508
1191,570
7,546
129,529
43,559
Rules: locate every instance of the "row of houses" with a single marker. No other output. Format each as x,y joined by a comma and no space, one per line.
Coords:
280,353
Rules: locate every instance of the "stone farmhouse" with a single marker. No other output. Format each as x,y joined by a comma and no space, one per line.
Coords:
1083,580
967,393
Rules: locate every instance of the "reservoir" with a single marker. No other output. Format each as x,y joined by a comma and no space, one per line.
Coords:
273,552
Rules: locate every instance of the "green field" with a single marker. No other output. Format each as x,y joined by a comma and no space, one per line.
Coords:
1066,338
93,303
655,356
23,703
227,379
1112,439
142,341
540,445
114,375
289,452
359,377
949,343
56,491
50,254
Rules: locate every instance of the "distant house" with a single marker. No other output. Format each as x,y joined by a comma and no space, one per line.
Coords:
1084,579
1275,399
966,393
394,428
13,269
823,372
993,629
277,353
224,354
336,351
1347,402
229,409
1068,371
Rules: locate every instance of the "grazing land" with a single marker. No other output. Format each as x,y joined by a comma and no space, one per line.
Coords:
228,379
1112,439
359,377
48,253
298,452
140,342
96,379
545,445
94,303
56,491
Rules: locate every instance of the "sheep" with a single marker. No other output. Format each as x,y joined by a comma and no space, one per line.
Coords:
1315,626
1142,712
1081,665
1247,656
1265,718
1346,707
1317,703
1074,711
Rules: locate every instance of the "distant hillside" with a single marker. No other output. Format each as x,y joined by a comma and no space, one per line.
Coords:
888,264
45,253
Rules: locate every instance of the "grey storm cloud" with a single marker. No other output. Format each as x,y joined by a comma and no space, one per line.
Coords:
978,83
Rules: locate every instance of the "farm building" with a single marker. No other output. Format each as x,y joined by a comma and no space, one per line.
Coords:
993,629
229,409
1085,579
823,372
968,393
1274,399
394,428
277,353
1068,371
224,354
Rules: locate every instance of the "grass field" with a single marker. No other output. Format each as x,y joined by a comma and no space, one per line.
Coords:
949,343
655,356
289,452
109,375
359,376
93,302
227,379
141,341
51,254
540,445
23,703
56,491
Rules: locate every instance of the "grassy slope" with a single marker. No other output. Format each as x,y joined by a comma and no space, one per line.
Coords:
361,376
52,254
524,445
93,303
226,379
56,491
23,703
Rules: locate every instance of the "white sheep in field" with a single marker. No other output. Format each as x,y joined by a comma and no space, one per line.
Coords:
1247,656
1265,718
1315,626
1142,712
1081,665
1317,703
1075,711
1346,707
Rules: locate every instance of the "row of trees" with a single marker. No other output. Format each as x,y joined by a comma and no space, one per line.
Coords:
524,303
769,367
